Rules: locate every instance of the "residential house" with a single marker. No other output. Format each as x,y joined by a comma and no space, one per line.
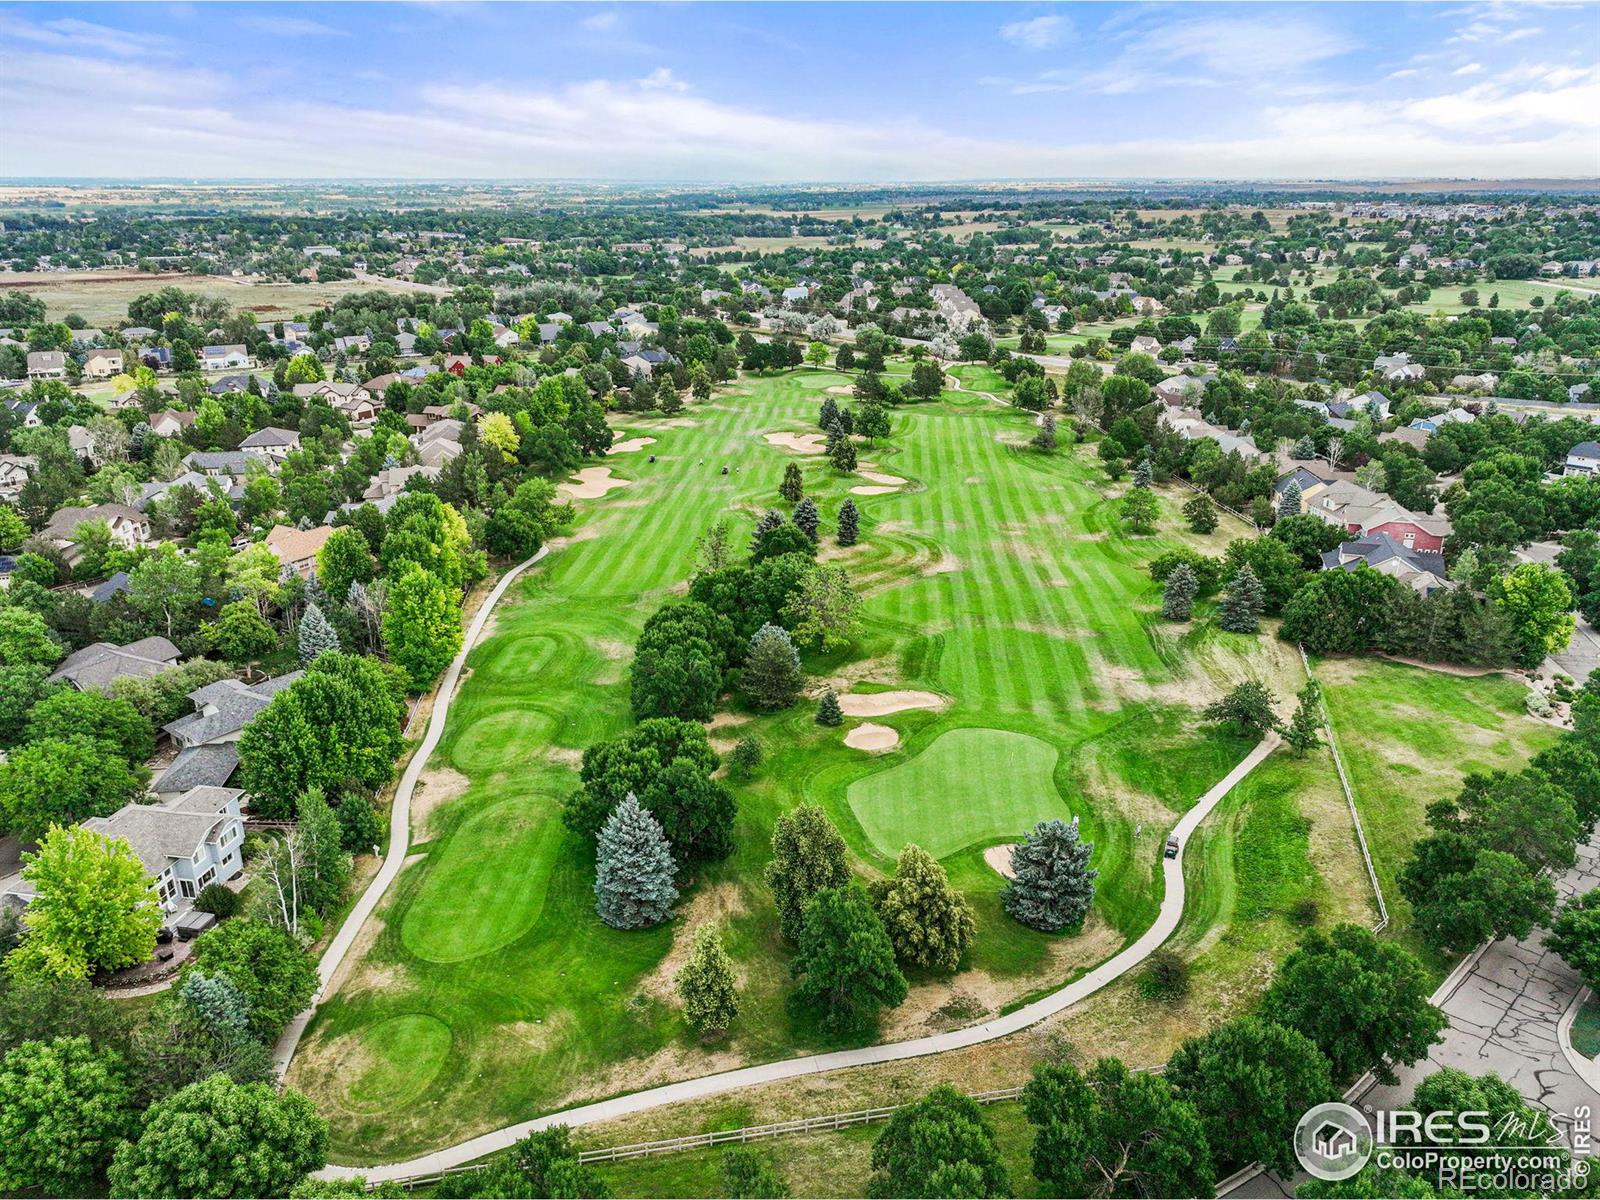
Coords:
358,343
1361,510
157,358
1398,368
351,399
15,471
96,667
391,482
1311,484
1421,570
129,527
47,364
102,364
297,548
1486,383
1582,459
276,444
1145,345
1365,404
221,462
958,309
1439,420
225,358
170,422
186,844
207,738
1175,391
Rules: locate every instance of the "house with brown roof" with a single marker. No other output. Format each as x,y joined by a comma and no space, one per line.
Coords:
297,548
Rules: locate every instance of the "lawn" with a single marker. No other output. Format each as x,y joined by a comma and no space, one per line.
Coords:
1409,736
997,577
1586,1029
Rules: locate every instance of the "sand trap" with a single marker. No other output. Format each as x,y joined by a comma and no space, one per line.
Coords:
872,737
800,443
873,490
632,444
593,482
881,704
841,390
880,477
999,858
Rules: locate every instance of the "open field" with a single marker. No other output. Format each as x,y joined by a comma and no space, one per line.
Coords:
998,578
1409,736
101,297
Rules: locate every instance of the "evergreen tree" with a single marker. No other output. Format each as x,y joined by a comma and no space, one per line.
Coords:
846,961
836,433
1289,502
808,855
843,455
1052,885
828,415
1305,727
1143,477
849,523
316,634
828,709
771,521
792,487
772,674
1177,602
706,984
634,870
1305,448
1242,606
928,922
746,755
806,518
1045,439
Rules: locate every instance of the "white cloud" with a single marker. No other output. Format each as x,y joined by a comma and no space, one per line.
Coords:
281,25
663,80
1037,33
600,22
1468,69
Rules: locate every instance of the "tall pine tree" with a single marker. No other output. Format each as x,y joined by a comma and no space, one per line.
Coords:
849,523
792,487
1052,885
1289,502
1177,602
1242,606
828,712
316,634
772,674
828,414
806,518
706,984
634,871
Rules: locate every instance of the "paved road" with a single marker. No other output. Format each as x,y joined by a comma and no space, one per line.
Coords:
713,1085
399,823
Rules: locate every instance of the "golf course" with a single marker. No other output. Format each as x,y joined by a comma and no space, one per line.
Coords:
999,586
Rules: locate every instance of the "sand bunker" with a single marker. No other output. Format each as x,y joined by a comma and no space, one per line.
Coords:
841,389
872,737
881,704
999,858
593,482
873,490
800,443
880,477
632,444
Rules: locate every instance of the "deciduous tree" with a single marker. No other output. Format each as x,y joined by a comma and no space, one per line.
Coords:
845,963
929,923
940,1145
808,855
706,984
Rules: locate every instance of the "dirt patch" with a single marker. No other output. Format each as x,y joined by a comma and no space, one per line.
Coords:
999,859
800,443
566,756
717,904
613,648
592,483
1443,668
723,719
872,737
436,788
946,564
872,489
631,445
881,704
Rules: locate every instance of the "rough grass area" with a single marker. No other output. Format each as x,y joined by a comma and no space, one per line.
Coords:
997,577
1586,1029
1409,736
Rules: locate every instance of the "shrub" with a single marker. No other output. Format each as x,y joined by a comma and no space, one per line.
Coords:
217,899
1165,977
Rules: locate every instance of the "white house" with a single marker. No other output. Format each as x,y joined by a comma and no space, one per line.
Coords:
1582,459
15,470
225,358
102,364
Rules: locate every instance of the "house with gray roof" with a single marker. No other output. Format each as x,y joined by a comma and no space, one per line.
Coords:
223,709
1421,570
96,667
186,844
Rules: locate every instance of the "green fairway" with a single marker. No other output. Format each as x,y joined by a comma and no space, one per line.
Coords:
997,577
404,1054
969,786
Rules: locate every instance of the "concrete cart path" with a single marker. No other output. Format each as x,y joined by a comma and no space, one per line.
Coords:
714,1085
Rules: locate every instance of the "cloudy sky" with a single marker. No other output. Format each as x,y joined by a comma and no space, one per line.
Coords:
799,92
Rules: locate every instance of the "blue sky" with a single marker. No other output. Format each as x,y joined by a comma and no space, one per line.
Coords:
800,92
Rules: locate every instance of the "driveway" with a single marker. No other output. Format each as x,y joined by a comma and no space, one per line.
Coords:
1582,655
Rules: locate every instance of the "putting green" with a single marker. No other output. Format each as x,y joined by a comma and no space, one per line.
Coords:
399,1058
488,888
968,786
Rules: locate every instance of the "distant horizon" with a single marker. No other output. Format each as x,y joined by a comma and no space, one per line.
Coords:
771,185
780,94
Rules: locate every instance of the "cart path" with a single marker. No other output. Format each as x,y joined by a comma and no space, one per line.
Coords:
399,824
1112,969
